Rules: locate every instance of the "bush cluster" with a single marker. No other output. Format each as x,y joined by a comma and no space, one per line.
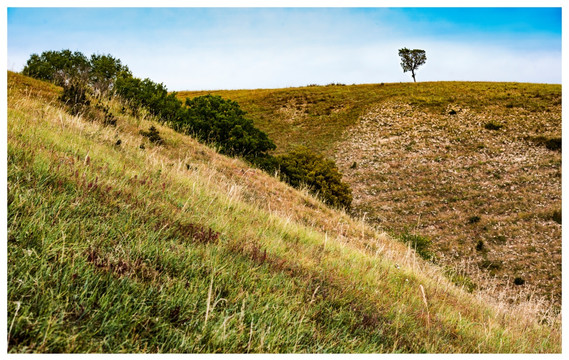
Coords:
214,119
209,118
149,95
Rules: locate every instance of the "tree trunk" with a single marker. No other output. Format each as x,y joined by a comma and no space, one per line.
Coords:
413,74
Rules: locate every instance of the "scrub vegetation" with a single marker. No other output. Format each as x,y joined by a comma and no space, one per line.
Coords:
211,119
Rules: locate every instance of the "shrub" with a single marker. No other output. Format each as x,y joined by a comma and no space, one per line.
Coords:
79,77
480,245
420,243
551,143
152,96
210,118
153,135
104,70
519,281
474,219
492,125
321,175
59,67
556,216
74,96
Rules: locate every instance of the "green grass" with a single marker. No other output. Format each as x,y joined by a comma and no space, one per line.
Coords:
316,116
114,248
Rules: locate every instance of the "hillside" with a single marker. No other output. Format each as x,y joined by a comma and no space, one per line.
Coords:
117,244
475,167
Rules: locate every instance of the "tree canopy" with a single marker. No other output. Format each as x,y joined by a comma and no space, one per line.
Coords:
65,67
412,59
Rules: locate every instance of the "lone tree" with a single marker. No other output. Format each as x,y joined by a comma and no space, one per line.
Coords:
412,59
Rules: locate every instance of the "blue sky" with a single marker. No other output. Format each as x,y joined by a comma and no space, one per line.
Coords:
231,48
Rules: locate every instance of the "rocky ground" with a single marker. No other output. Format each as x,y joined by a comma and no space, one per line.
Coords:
488,197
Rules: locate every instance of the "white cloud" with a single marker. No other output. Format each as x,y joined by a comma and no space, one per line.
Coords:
274,48
251,67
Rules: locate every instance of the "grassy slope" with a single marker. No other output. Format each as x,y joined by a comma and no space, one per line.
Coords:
486,198
112,248
316,116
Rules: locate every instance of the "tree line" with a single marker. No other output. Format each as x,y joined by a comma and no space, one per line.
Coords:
210,119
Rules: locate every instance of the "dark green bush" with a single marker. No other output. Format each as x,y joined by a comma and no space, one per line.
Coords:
480,245
220,121
556,216
210,118
553,144
152,96
104,70
153,135
80,77
321,175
